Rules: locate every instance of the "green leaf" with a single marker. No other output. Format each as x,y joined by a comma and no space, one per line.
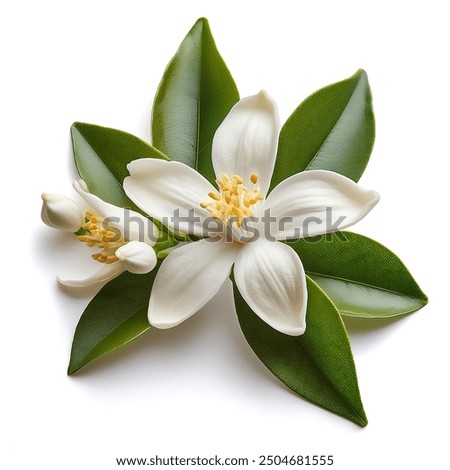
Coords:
317,365
362,277
194,96
101,157
115,316
333,129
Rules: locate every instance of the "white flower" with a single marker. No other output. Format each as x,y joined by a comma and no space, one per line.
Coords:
268,273
61,213
124,237
136,257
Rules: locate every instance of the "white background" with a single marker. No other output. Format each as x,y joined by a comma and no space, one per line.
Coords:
199,389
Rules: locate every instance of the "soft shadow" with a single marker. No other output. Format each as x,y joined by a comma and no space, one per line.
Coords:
249,363
367,333
211,339
52,250
46,241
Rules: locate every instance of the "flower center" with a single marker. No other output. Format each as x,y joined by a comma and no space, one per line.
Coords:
233,202
97,235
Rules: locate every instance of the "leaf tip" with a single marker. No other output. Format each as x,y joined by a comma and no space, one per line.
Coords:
361,74
77,125
423,297
359,416
75,364
71,369
202,22
200,26
363,422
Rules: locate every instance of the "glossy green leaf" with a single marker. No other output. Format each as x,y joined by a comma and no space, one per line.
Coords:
115,316
195,94
101,157
317,365
333,129
362,277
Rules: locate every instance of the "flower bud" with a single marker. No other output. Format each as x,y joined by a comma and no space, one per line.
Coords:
137,257
61,213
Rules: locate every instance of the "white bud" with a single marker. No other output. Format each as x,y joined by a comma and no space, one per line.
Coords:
61,213
137,257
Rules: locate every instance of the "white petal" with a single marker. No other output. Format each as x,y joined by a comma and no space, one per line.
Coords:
137,257
246,141
61,213
160,187
187,279
99,272
131,224
271,279
317,202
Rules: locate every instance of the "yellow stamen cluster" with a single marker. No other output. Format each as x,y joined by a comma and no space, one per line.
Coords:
99,236
234,200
